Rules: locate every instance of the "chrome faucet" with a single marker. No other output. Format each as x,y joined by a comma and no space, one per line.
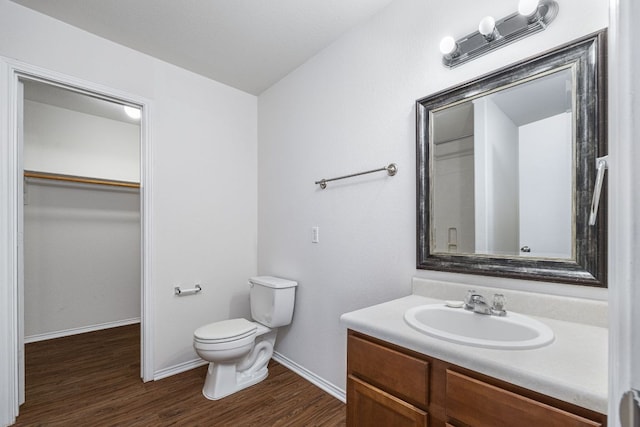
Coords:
477,303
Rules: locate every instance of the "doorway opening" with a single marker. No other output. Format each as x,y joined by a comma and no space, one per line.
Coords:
43,178
80,226
80,213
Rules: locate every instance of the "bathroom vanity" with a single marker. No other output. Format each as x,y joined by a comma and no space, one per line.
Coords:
399,376
394,386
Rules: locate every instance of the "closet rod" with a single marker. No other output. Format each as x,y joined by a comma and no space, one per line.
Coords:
80,179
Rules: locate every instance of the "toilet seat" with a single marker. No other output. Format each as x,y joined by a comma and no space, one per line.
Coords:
225,331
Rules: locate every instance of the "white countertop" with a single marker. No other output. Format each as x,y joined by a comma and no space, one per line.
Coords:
572,368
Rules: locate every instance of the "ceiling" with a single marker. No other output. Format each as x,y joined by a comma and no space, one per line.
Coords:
545,97
247,44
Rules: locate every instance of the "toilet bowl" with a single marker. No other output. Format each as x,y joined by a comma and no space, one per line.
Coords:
239,350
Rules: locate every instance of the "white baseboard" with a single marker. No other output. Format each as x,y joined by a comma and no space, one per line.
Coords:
325,385
314,379
178,369
82,330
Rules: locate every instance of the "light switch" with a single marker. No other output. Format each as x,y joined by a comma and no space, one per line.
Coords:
315,234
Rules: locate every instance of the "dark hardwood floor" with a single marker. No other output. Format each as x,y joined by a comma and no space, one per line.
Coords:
93,379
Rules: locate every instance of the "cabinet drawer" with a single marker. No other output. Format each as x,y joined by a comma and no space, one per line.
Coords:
369,406
479,404
402,375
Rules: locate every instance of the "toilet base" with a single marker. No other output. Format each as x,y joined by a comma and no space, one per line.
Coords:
223,380
229,376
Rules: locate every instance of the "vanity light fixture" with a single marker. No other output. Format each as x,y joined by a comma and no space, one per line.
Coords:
487,28
528,8
449,47
532,16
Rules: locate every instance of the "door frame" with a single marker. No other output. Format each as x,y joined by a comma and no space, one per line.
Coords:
624,206
11,72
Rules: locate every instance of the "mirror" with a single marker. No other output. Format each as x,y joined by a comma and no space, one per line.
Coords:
497,162
506,170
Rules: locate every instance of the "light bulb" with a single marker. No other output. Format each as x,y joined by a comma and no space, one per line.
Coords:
448,45
528,7
487,25
132,112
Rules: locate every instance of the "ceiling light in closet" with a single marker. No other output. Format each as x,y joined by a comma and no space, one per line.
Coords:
132,112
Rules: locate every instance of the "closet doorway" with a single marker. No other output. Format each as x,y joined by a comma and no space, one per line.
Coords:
80,224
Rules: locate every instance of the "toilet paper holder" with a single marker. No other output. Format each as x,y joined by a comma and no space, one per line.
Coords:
183,292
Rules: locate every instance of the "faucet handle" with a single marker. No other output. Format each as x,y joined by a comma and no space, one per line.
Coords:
499,301
468,299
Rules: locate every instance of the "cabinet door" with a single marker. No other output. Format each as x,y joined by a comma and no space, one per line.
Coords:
370,406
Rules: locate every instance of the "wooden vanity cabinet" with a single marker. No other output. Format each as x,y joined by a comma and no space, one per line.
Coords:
385,387
388,385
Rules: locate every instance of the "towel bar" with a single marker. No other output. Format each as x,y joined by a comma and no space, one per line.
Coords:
392,169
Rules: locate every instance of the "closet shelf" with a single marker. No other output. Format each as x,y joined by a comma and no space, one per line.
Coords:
80,179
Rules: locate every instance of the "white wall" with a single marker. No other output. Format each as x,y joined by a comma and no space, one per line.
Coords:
545,207
351,108
496,177
58,140
82,258
453,189
203,138
82,242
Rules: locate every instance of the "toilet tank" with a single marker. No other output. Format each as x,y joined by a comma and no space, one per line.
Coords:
272,300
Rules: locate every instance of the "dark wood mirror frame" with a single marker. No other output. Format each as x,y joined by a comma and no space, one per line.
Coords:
589,267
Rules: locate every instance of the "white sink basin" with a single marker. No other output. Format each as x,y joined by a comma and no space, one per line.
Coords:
513,331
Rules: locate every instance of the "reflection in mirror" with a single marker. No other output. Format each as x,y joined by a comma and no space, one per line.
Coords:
506,169
502,180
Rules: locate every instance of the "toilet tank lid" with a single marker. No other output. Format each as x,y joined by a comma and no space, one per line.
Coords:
273,282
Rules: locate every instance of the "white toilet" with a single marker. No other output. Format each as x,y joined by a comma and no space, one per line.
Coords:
238,350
